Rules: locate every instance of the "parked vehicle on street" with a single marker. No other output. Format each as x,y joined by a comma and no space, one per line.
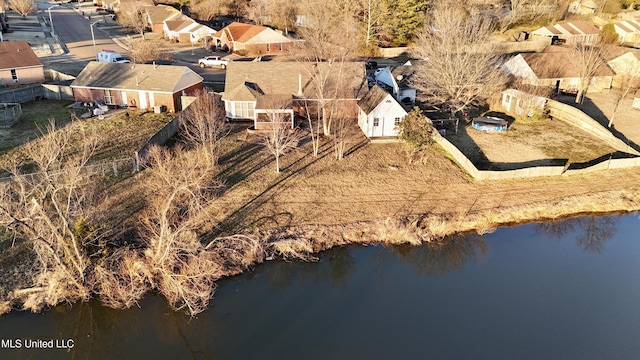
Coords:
112,56
209,61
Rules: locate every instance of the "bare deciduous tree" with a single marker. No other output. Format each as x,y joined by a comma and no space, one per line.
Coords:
206,10
179,266
314,126
237,8
23,7
373,13
203,123
51,209
528,12
330,41
588,61
279,138
134,16
626,81
627,85
460,68
144,51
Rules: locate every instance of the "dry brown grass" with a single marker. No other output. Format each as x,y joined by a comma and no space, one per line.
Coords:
377,193
541,142
120,135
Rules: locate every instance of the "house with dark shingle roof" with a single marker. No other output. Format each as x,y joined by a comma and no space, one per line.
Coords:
559,70
251,39
379,113
19,64
136,85
398,81
253,89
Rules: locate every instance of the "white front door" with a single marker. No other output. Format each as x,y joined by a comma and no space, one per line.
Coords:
376,126
143,100
123,98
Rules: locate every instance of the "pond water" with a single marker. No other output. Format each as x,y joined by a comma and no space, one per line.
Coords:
564,290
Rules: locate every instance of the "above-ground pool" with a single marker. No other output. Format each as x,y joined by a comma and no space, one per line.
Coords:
489,124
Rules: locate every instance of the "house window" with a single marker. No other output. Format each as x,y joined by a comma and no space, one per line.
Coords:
376,122
396,121
108,97
244,109
14,75
280,47
268,47
507,98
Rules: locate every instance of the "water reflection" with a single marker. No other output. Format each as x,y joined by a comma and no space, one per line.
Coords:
592,233
336,266
441,257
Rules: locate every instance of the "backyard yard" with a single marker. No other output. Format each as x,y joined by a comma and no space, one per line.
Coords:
535,142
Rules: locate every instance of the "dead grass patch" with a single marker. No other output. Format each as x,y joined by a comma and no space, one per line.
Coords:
537,142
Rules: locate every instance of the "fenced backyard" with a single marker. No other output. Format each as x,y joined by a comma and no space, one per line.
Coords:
10,114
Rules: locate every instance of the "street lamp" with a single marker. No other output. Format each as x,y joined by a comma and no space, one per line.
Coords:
95,52
53,32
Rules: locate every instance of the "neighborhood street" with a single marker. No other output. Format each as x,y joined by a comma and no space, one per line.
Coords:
74,31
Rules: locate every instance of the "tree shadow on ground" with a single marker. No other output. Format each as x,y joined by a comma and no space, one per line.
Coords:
612,156
468,146
590,108
238,219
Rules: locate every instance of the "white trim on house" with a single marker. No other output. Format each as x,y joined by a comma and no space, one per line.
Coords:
382,120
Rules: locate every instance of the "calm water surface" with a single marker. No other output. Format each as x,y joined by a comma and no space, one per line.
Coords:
566,290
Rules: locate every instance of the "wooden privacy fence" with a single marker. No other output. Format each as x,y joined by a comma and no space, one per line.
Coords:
9,114
470,168
159,138
115,167
579,119
22,95
625,157
57,92
35,92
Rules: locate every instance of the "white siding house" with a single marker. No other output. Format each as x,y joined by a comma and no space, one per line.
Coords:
522,104
379,113
396,81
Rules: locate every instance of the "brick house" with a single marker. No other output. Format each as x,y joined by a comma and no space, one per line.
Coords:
251,39
556,70
253,90
136,85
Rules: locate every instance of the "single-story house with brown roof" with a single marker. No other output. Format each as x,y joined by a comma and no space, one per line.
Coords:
187,31
158,14
628,31
379,113
627,69
255,89
252,39
19,64
557,70
572,32
136,85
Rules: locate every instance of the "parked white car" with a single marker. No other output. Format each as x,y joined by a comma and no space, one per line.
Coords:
209,61
112,56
